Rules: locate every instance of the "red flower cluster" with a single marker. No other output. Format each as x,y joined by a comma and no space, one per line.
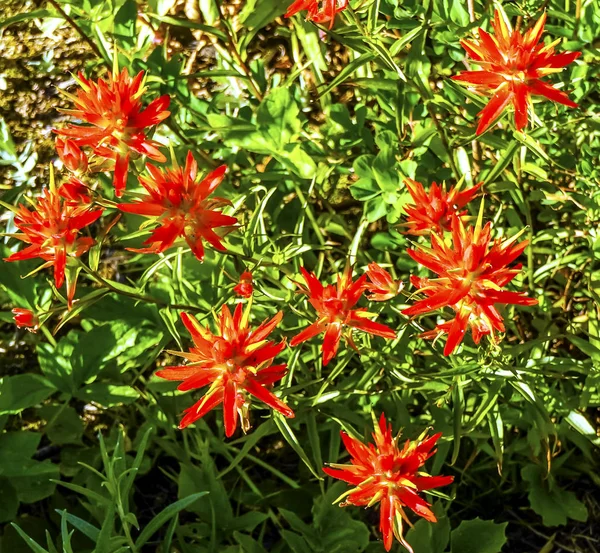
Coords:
512,66
319,11
472,270
244,289
180,201
52,232
335,308
113,108
433,212
381,285
236,363
385,474
25,318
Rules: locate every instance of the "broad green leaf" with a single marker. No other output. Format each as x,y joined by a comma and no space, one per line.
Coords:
23,391
108,395
478,536
554,504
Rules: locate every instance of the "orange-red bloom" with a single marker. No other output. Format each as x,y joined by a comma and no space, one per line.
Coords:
433,212
472,271
381,285
181,203
334,307
244,288
512,66
319,11
52,230
75,191
25,318
383,473
237,363
72,156
113,108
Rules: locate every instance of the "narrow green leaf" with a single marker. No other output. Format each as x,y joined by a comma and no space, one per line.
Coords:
165,515
291,439
33,545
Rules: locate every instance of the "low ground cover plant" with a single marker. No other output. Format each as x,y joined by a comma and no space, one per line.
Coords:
302,277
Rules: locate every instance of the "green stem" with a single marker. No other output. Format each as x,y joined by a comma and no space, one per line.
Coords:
141,297
528,219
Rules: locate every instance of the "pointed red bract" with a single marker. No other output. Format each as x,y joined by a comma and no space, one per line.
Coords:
472,270
113,108
318,11
179,199
236,363
433,211
72,156
381,286
512,66
25,318
334,306
244,289
52,232
384,473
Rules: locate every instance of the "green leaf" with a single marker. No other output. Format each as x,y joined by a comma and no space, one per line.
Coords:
162,517
347,71
428,537
65,426
125,20
478,536
84,527
23,391
278,117
108,395
35,14
291,439
552,503
33,545
9,500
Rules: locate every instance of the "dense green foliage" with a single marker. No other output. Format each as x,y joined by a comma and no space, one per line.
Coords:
319,129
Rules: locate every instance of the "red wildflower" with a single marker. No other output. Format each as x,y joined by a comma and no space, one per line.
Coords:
75,191
471,274
433,212
52,230
25,318
382,286
513,65
244,288
113,108
384,473
237,363
319,11
334,307
72,156
180,201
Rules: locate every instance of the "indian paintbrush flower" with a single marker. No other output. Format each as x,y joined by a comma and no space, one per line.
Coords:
180,202
117,121
318,11
244,288
335,310
471,271
380,285
25,318
384,473
236,363
52,230
512,67
433,211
